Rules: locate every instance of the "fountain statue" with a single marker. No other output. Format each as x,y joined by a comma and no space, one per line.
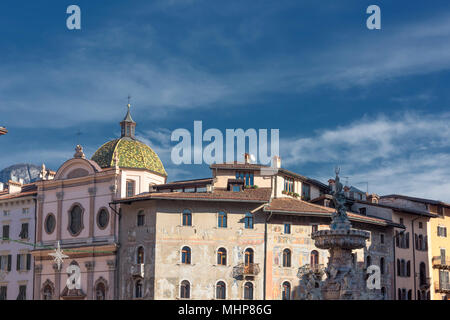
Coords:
343,281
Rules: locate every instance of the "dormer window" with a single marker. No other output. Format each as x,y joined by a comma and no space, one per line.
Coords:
306,192
248,177
288,184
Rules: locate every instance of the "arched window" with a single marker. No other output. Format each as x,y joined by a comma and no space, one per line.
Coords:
403,268
382,265
248,291
138,289
383,293
286,258
399,294
140,218
368,261
286,291
419,295
187,217
422,273
222,219
420,246
314,258
221,290
100,291
408,268
140,255
48,292
75,220
185,289
409,294
248,221
248,256
186,255
222,256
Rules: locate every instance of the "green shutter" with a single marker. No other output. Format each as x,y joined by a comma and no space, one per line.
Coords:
28,261
18,262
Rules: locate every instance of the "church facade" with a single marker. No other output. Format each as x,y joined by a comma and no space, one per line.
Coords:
73,210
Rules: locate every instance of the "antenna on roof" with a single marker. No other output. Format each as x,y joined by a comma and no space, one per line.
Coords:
78,134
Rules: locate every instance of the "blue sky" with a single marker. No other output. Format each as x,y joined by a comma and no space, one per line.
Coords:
374,102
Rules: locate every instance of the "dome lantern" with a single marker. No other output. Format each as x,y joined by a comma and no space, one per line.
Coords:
127,124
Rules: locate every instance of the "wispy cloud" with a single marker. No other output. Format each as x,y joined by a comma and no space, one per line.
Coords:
407,153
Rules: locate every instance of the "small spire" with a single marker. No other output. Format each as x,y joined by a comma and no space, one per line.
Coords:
127,124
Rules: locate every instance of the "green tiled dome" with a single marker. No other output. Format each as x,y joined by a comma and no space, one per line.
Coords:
131,153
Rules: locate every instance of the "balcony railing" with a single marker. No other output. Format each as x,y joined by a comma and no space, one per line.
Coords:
246,270
424,283
317,269
443,287
440,262
137,270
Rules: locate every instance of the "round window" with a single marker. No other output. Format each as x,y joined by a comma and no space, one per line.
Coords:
50,223
103,218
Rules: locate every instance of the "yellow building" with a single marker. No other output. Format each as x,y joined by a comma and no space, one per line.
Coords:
438,242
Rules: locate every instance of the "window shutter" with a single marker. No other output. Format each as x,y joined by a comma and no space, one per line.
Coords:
18,262
9,262
28,261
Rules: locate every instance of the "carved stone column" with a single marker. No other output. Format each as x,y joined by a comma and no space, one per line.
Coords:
90,279
37,282
112,279
57,281
40,217
92,192
59,196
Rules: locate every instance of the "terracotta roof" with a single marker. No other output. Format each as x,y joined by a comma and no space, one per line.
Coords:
422,200
184,183
238,165
27,190
295,206
248,195
397,208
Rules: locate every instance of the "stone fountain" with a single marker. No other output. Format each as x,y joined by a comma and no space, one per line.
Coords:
342,282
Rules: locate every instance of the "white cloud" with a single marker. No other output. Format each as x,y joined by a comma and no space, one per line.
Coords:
407,153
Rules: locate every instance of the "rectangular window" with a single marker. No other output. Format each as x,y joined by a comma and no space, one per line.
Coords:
5,234
3,292
363,211
6,213
314,228
140,219
25,210
288,184
381,238
24,231
306,192
287,228
130,188
248,177
236,188
21,262
442,231
420,225
222,220
401,220
22,293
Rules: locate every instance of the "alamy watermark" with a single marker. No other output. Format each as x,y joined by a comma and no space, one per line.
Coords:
190,148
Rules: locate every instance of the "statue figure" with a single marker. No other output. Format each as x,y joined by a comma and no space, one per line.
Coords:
339,217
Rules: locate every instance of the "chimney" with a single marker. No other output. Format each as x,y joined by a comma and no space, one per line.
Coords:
246,158
373,198
276,162
14,187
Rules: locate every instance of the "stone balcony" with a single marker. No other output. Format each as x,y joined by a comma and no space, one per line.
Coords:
246,270
137,270
442,287
440,262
